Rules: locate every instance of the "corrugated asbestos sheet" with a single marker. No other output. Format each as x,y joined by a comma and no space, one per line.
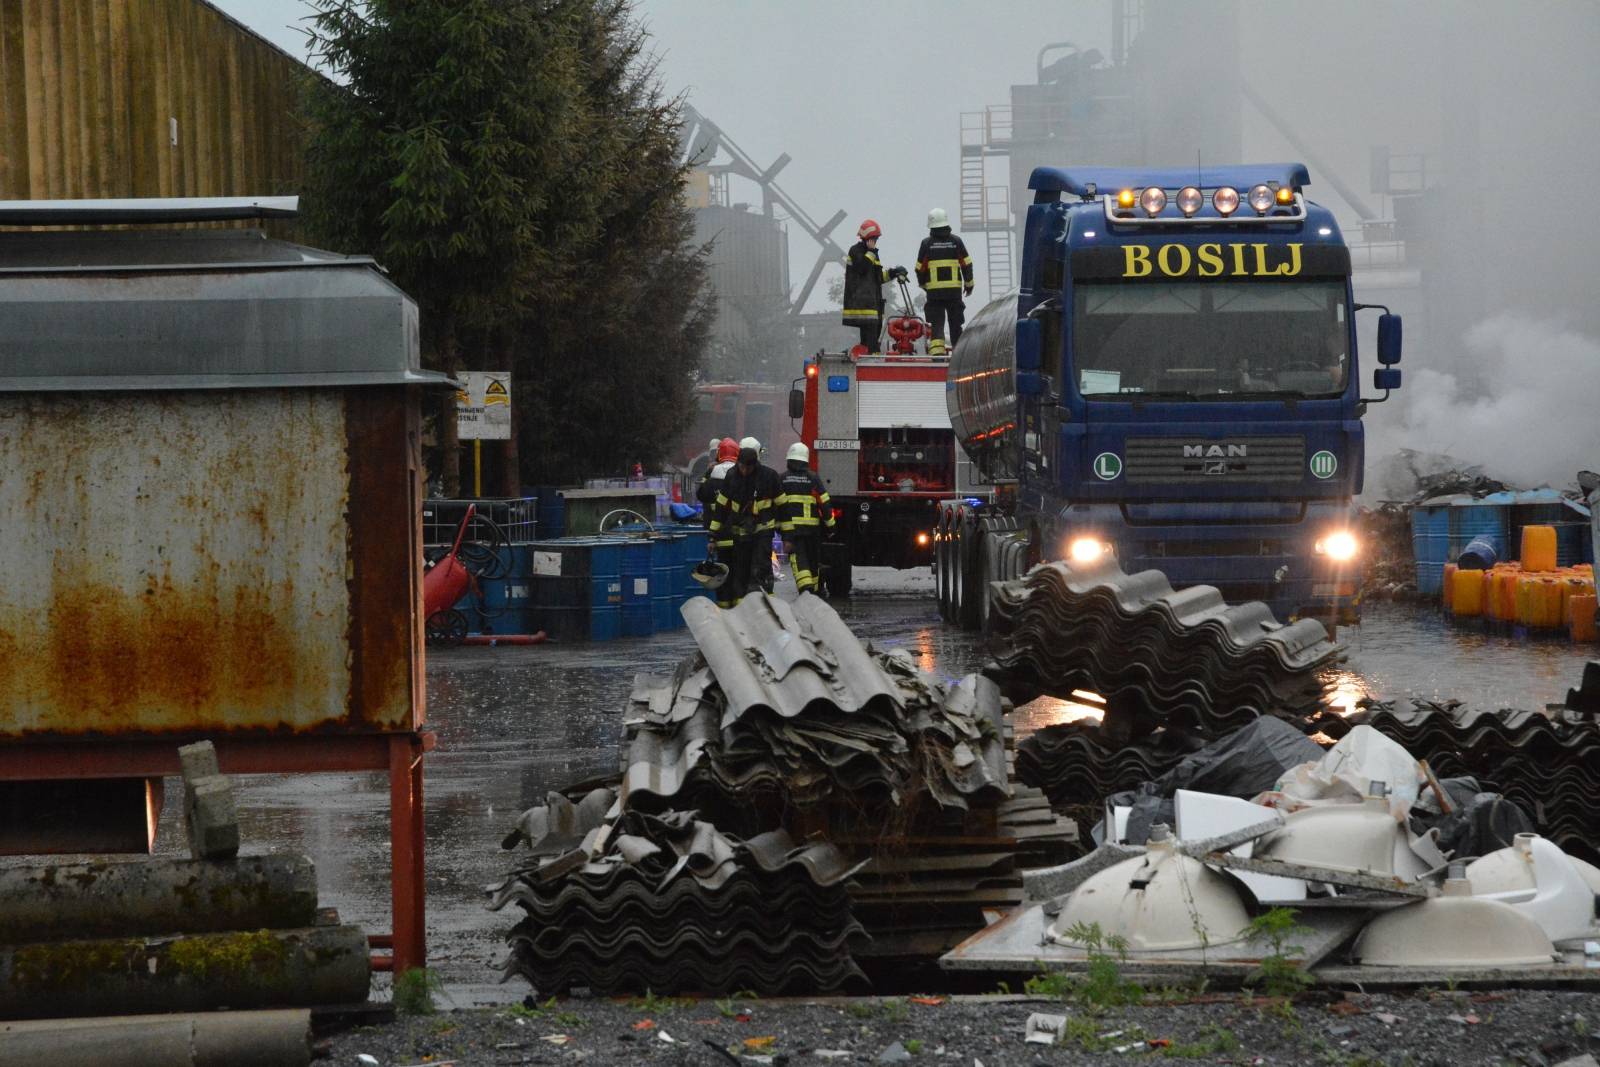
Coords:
784,727
667,902
117,98
1183,658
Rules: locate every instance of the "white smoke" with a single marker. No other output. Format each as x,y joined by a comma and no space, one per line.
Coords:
1531,418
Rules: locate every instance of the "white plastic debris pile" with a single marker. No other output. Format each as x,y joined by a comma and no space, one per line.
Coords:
1373,901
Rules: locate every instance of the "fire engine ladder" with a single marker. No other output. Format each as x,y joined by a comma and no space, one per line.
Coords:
986,208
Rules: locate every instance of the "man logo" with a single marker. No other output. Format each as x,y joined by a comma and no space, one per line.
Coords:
1217,466
1215,451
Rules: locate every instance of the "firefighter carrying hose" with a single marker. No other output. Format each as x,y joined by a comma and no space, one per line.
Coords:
742,521
944,270
864,278
803,510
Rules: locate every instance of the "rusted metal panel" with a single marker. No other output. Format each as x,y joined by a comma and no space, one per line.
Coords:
208,562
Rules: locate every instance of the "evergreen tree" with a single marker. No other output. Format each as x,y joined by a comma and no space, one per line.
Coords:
513,164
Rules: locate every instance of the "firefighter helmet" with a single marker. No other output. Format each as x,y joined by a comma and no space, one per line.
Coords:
727,450
799,453
937,218
869,228
752,444
710,573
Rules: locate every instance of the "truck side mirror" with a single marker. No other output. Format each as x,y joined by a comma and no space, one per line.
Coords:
797,403
1029,343
1389,342
1386,378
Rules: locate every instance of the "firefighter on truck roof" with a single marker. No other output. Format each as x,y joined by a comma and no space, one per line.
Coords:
803,509
944,270
864,279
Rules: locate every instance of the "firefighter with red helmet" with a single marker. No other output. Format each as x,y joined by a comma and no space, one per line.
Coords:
726,455
944,270
864,278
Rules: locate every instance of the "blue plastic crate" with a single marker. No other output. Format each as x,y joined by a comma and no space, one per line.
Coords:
1430,534
1430,578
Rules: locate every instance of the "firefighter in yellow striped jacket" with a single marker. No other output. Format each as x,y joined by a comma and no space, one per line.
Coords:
743,519
944,270
864,278
803,511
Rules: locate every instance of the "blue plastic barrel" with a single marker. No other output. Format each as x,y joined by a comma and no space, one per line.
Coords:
638,613
1479,555
1471,522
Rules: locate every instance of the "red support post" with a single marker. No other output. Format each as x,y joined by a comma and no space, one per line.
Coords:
408,891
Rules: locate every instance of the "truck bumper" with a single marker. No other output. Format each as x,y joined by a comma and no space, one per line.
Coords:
1276,563
889,531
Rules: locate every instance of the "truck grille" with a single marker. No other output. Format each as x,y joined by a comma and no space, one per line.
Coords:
1179,460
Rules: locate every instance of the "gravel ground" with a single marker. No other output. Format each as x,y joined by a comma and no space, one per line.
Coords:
1426,1029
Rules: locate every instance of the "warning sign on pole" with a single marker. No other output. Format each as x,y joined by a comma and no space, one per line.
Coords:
483,409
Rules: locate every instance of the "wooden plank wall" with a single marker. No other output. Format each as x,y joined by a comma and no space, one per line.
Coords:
90,91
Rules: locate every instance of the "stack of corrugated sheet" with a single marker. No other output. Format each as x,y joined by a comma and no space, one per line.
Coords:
667,902
783,720
783,702
1185,658
1076,764
1548,764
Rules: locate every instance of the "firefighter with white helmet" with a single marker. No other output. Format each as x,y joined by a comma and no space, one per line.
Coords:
742,522
864,278
804,510
944,270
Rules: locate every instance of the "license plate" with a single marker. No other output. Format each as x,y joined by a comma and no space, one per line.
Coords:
837,445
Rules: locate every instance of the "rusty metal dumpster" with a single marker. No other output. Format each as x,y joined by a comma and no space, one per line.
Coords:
209,477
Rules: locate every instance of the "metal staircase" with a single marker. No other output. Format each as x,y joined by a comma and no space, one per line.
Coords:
986,207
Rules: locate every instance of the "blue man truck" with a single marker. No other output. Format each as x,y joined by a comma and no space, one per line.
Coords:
1175,382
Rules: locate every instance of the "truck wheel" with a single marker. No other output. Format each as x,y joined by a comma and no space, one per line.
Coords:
969,574
941,566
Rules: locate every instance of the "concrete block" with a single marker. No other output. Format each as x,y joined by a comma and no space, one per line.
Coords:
199,761
212,818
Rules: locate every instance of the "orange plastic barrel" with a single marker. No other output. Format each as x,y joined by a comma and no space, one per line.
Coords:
1502,594
1538,548
1466,593
1581,623
1448,588
1547,597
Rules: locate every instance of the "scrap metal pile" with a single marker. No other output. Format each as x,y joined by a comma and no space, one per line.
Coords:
783,727
1183,658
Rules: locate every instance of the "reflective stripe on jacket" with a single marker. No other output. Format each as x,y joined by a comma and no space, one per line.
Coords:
943,266
803,501
746,505
864,276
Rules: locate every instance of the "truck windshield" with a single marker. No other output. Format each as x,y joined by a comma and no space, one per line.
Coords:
1210,340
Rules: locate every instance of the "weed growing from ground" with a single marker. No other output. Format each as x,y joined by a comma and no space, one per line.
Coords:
1278,975
414,991
1212,1041
650,1004
914,1046
1102,985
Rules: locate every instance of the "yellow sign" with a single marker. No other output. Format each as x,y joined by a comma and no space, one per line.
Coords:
1212,260
496,393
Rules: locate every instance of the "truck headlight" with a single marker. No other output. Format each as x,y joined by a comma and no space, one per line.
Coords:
1087,549
1341,547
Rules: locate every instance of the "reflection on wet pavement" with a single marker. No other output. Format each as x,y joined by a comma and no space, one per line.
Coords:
513,723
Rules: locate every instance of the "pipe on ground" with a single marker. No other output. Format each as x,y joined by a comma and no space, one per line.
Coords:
156,896
128,976
217,1039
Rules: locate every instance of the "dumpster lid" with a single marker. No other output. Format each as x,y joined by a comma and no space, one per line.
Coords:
197,309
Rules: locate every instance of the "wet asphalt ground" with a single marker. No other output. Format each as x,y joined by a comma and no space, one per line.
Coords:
514,723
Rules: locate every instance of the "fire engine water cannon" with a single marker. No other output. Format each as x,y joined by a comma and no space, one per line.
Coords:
907,329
